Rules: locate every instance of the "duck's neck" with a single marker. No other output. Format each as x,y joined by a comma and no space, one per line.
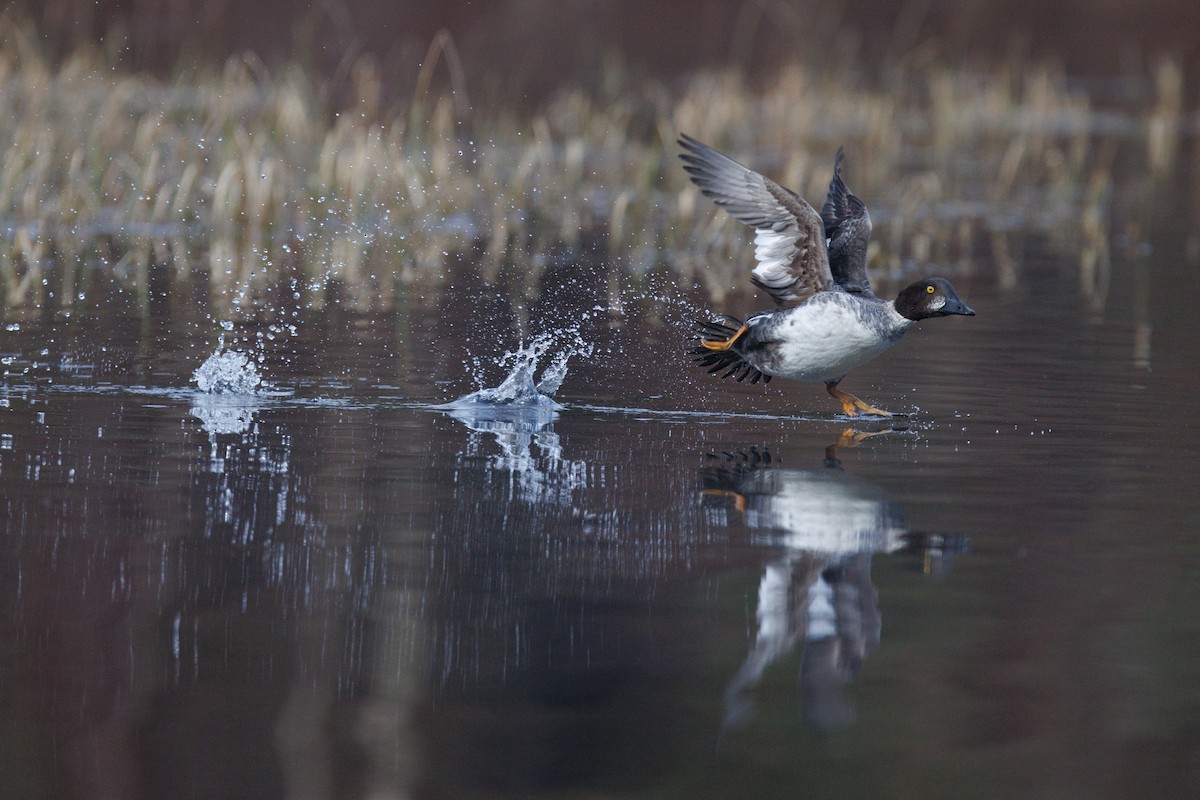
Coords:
896,322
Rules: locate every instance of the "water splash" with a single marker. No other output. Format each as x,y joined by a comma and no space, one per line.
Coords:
553,375
230,385
519,391
519,414
228,372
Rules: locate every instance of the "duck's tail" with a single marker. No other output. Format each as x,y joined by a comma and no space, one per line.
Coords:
716,350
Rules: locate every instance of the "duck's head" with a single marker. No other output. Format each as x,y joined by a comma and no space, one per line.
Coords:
932,297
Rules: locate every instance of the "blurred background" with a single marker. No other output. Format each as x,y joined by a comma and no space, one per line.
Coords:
352,151
529,47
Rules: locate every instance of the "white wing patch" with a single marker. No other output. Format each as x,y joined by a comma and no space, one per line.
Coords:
775,251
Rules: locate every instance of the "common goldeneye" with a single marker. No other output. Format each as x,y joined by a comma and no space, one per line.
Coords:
814,266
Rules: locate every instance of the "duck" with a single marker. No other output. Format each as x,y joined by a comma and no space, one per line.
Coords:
826,320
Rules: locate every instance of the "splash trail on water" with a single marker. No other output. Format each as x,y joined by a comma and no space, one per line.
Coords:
519,392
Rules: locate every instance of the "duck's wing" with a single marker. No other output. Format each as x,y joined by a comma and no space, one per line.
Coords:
848,226
789,243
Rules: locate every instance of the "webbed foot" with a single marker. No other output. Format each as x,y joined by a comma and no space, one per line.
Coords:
852,405
724,344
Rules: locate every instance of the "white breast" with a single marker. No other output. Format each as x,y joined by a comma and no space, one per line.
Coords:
824,338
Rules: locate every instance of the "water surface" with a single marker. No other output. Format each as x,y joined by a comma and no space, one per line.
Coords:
668,586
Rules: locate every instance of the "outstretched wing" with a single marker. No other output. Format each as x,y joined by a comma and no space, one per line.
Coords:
848,226
790,240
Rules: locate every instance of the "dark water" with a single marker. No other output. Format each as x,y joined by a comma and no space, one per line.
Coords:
671,587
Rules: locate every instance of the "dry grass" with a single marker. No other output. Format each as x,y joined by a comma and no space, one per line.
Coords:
251,175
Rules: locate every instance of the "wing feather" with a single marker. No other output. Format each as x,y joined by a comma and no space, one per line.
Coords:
789,240
848,226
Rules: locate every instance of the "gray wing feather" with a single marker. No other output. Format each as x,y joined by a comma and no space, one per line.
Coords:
848,226
789,240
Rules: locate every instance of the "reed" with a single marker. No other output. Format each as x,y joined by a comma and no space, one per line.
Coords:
254,177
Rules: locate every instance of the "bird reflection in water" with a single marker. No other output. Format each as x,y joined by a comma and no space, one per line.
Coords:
818,593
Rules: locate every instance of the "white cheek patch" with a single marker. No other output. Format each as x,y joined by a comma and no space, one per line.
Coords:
936,303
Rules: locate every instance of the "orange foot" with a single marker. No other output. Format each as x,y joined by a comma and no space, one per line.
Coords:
851,404
724,344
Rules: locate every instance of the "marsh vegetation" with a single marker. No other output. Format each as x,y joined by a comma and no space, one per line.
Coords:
251,179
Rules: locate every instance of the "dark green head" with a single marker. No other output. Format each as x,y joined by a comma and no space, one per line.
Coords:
932,297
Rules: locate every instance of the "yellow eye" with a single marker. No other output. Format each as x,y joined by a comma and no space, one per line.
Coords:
929,289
